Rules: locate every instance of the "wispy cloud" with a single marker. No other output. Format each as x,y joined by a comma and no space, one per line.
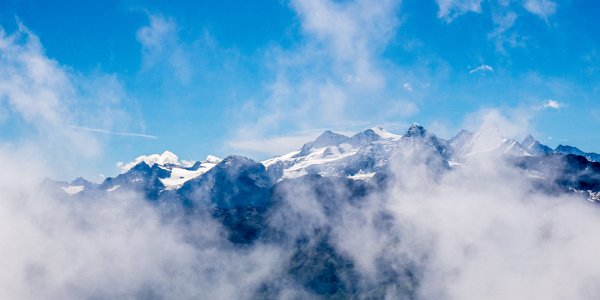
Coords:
553,104
46,96
325,79
274,145
105,131
502,34
482,69
541,8
162,47
450,9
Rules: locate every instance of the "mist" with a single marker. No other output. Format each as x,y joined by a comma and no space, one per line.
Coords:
419,229
481,230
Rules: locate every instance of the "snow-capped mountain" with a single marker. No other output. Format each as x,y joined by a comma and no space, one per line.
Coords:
179,171
534,147
357,157
325,179
71,188
489,140
151,174
565,149
333,154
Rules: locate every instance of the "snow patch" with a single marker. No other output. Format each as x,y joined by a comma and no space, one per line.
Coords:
362,176
385,134
73,189
180,175
114,188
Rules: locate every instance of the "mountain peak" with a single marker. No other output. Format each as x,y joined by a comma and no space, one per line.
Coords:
528,141
365,137
534,146
79,181
329,138
462,134
568,150
415,130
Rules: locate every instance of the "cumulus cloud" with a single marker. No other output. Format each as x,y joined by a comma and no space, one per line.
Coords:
484,244
540,8
552,104
450,9
167,157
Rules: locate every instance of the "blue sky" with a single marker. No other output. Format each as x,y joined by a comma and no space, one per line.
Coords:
259,78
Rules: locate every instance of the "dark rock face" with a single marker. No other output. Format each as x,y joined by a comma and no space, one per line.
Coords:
142,178
245,224
565,149
535,147
234,182
563,173
320,268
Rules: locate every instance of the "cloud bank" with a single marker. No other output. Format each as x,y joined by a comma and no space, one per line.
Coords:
481,231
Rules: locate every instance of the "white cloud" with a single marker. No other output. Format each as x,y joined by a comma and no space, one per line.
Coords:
508,123
33,85
336,70
49,98
553,104
502,34
450,9
407,87
351,32
541,8
482,69
161,47
166,157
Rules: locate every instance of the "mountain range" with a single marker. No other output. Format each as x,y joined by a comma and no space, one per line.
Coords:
249,197
358,157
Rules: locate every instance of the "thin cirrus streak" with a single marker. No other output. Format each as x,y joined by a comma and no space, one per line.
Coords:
105,131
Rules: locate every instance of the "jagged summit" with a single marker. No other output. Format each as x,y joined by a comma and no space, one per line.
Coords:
528,141
488,140
365,137
568,150
415,130
534,147
359,156
80,181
